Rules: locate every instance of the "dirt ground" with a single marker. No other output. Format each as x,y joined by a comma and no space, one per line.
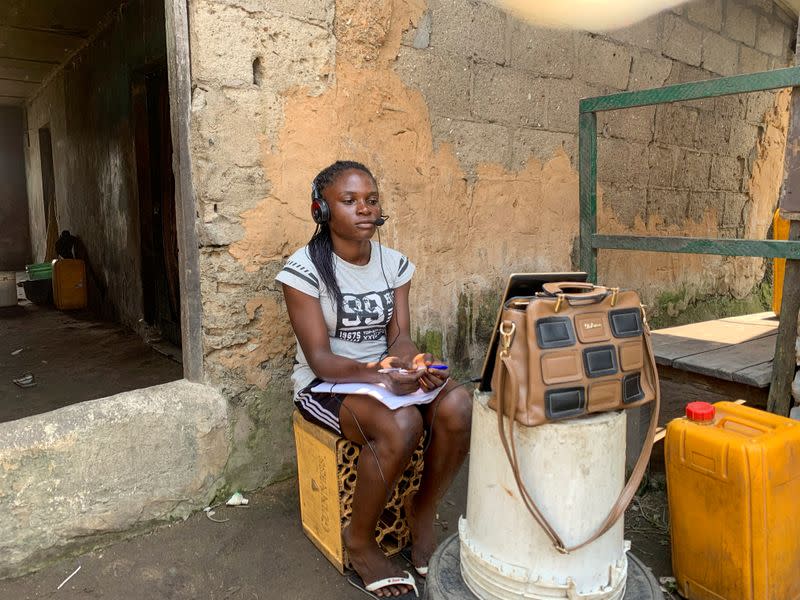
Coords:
73,357
261,552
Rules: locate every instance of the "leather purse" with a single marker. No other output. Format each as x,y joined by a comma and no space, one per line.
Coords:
570,351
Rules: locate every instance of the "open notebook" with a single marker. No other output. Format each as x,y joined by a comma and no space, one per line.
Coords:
378,392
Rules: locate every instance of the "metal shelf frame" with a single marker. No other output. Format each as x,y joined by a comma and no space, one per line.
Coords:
591,241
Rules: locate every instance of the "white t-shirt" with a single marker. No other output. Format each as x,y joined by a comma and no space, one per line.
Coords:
357,329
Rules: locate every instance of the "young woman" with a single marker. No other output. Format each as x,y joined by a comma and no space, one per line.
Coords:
347,298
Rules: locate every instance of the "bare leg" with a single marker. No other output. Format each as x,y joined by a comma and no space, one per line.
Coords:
449,419
393,437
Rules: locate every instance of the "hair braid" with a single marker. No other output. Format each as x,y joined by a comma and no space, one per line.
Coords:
320,247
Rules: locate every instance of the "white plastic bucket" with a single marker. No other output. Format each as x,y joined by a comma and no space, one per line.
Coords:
574,470
8,288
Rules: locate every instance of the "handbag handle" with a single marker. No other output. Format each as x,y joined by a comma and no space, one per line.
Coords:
625,496
586,293
553,288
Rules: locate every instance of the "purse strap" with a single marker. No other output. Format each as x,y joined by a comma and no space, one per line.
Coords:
578,293
625,496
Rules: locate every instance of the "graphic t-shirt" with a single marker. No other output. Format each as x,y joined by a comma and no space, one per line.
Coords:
357,328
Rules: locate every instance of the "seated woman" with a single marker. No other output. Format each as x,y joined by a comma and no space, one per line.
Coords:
347,298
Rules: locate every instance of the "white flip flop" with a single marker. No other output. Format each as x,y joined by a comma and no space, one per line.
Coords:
355,580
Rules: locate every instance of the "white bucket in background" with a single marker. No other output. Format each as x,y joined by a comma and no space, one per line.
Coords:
574,470
8,288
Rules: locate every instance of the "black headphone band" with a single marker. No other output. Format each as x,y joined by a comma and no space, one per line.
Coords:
320,211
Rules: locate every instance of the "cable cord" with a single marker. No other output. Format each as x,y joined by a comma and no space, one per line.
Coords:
437,400
369,445
388,287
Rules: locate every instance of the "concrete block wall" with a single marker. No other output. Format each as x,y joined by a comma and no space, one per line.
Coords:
669,169
468,118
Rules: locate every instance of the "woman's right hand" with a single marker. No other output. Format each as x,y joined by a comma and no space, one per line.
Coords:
401,384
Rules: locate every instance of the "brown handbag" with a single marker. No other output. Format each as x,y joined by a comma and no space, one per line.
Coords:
573,350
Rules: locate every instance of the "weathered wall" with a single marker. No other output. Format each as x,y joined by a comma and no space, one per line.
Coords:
88,109
15,245
709,168
156,454
469,120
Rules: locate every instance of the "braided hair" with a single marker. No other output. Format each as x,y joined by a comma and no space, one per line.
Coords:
320,248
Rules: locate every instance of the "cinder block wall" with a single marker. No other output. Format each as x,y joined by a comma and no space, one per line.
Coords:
705,168
469,120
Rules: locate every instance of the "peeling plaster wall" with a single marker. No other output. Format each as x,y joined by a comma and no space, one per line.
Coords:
15,246
87,107
468,118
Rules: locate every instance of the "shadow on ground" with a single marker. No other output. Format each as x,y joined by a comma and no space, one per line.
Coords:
261,552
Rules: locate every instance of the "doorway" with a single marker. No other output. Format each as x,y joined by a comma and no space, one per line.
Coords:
48,191
157,213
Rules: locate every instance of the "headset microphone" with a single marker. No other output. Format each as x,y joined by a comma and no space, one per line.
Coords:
381,220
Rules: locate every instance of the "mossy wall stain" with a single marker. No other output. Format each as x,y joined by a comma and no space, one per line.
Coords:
682,306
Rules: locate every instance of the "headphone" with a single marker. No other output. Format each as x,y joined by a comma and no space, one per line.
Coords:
320,211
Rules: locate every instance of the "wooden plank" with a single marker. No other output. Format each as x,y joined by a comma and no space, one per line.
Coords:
26,70
43,46
738,84
674,343
766,319
13,87
668,350
783,371
789,199
711,386
11,100
722,331
758,375
723,362
691,245
180,94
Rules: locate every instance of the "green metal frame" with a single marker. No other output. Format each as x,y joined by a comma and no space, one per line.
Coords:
591,241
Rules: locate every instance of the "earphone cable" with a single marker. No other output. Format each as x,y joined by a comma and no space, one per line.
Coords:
369,445
438,401
388,287
428,441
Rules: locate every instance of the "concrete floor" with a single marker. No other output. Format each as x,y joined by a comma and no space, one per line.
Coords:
262,553
73,358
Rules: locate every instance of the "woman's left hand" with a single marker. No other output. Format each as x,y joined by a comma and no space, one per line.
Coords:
432,378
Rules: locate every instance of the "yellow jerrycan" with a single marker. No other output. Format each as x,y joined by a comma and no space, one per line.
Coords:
733,485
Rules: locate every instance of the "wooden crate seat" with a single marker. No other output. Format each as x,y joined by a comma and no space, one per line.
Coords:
326,474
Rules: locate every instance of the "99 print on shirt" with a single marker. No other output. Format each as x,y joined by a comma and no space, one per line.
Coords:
364,317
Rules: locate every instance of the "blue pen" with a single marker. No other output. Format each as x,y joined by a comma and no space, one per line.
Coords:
438,367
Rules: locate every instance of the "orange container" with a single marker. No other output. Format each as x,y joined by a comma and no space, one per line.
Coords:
780,231
733,486
69,283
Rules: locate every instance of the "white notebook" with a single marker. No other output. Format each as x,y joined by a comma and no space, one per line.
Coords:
378,392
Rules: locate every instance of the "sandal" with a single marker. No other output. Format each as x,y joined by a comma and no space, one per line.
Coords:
421,571
355,580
